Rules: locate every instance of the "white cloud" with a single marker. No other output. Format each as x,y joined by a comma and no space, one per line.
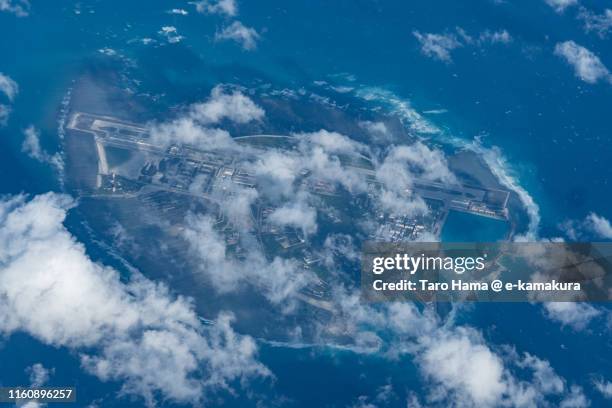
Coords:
401,203
460,363
31,146
598,23
245,36
332,142
467,373
279,280
544,376
574,314
8,86
437,46
170,360
401,167
276,171
296,214
109,52
5,112
575,399
599,225
495,37
422,162
604,387
193,128
237,205
10,89
233,106
21,8
485,37
226,7
587,66
187,131
593,225
339,245
318,157
377,130
135,332
178,11
206,242
171,34
570,228
561,5
461,369
31,404
39,375
327,167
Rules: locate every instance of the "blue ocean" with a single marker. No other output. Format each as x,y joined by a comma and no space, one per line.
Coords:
550,133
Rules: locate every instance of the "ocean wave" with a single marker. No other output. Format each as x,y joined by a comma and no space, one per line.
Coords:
500,167
400,107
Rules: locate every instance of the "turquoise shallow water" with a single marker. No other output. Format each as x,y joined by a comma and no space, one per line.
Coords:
465,227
